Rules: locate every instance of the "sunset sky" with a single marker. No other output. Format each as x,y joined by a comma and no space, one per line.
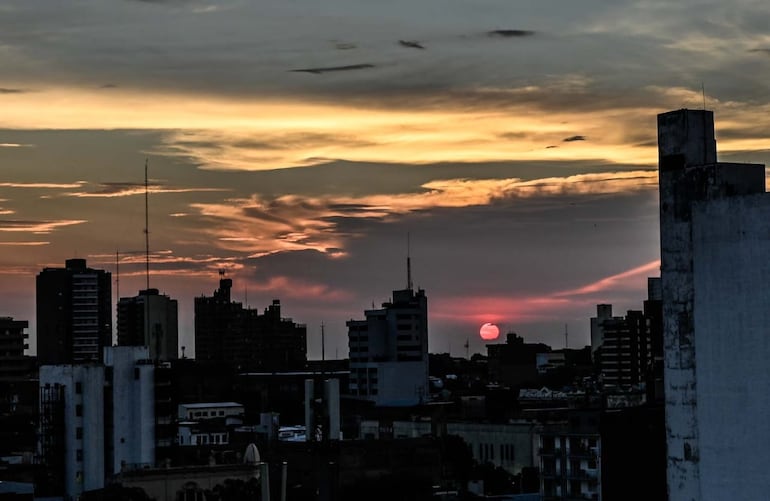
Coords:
297,143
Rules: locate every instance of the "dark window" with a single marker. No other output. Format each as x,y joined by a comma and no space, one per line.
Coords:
79,410
78,387
79,433
79,455
136,372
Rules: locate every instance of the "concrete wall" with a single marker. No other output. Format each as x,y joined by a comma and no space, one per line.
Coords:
133,407
731,254
83,422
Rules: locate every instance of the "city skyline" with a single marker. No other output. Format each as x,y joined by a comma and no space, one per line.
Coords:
297,145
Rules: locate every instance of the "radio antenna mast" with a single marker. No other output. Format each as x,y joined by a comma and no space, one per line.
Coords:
408,264
146,225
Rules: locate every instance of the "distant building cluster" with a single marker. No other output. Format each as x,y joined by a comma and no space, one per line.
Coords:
678,386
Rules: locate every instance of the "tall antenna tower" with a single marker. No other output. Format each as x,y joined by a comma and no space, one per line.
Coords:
408,264
566,337
323,343
117,273
146,225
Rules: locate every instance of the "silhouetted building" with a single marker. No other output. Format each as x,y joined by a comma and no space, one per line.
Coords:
226,332
624,348
74,313
515,362
389,351
149,319
714,227
14,364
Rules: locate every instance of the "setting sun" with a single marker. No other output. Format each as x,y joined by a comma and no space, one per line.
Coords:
489,332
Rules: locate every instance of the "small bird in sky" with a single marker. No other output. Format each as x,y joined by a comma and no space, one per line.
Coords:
412,44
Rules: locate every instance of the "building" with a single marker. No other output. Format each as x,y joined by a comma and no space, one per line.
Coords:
149,319
624,349
515,362
72,427
715,243
208,423
129,408
389,351
226,332
509,446
74,313
96,420
570,455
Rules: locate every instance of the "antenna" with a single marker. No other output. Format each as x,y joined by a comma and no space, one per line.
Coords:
566,337
117,273
146,224
323,343
703,91
408,264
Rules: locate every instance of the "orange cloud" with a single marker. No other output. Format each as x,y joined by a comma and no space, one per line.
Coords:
261,226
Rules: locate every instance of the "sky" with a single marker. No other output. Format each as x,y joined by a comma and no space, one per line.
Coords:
305,147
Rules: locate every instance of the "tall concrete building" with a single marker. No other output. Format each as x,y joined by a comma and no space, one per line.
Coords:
226,332
97,420
74,313
150,319
389,351
715,245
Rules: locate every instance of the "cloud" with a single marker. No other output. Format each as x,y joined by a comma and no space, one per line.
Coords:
125,189
38,227
573,138
629,278
261,226
24,244
328,69
511,33
7,90
16,145
52,186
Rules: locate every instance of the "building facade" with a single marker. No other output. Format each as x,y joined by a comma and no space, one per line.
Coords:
150,319
388,351
74,313
226,332
715,239
97,419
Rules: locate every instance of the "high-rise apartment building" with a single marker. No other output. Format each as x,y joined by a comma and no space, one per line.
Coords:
624,348
389,351
74,313
715,245
150,319
226,332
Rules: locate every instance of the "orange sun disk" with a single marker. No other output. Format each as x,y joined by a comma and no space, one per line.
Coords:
489,332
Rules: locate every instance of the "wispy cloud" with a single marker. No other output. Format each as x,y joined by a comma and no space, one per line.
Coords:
16,145
262,226
25,244
53,186
627,279
37,227
120,189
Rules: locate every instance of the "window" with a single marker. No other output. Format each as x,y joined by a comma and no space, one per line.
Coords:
79,388
79,410
79,455
79,433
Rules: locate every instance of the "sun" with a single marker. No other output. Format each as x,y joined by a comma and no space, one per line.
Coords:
489,332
